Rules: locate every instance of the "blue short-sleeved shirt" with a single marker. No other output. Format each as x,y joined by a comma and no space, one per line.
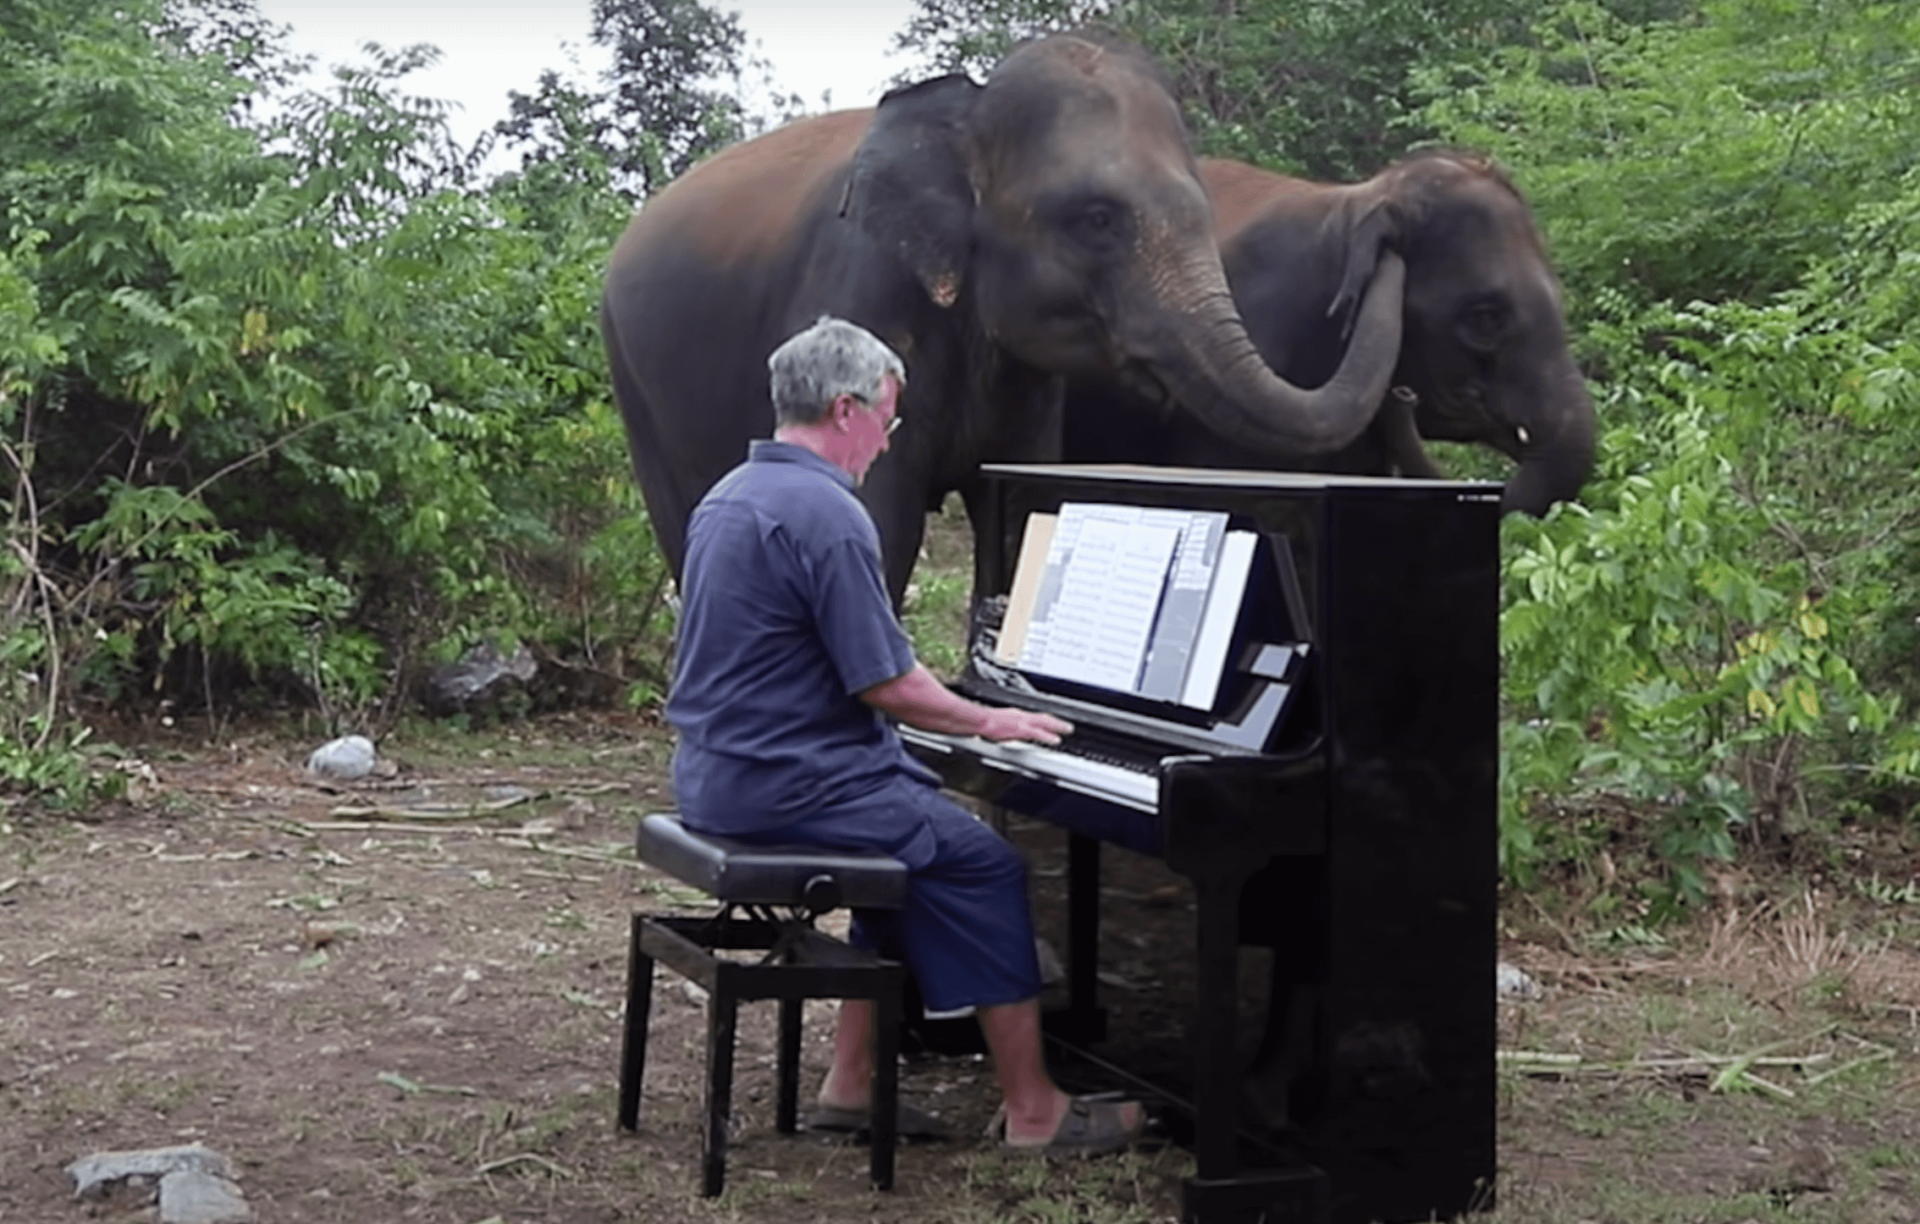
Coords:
784,620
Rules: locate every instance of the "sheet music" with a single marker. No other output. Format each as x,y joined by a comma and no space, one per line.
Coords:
1174,635
1217,624
1106,571
1135,599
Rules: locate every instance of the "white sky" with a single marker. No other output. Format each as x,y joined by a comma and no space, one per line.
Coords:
491,46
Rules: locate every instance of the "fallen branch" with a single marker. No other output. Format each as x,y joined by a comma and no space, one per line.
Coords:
1736,1070
1534,1062
494,1166
435,811
1880,1054
570,877
384,826
591,856
1745,1076
515,838
393,1079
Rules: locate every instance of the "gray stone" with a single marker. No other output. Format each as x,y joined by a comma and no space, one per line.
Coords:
192,1197
346,758
94,1174
1514,982
482,678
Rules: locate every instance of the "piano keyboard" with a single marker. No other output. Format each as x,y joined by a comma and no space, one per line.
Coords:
1134,785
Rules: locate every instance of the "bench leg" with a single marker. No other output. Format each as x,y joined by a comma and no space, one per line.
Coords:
633,1041
722,1014
786,1118
886,1086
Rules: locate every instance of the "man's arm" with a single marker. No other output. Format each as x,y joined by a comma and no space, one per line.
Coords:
920,700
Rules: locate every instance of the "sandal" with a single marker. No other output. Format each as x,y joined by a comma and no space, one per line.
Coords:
1092,1126
910,1122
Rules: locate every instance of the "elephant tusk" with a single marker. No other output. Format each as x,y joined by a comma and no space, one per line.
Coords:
1526,439
1406,395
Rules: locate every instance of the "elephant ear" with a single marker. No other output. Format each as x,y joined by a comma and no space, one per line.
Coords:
911,187
1368,226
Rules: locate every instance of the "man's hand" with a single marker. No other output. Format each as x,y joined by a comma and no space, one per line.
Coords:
919,700
1011,724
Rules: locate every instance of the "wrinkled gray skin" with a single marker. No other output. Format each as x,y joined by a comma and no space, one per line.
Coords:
1484,345
999,237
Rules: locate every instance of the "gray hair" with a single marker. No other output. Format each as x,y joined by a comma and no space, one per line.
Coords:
832,358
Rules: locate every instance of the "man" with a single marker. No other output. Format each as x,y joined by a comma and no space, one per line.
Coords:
789,656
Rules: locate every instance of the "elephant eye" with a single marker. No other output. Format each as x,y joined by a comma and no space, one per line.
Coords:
1098,223
1483,324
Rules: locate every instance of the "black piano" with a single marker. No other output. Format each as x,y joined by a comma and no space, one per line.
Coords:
1335,803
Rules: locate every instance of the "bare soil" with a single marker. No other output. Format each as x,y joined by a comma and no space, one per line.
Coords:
400,1000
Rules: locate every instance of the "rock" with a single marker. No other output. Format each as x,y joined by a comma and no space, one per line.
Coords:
483,677
95,1174
344,759
191,1197
1513,982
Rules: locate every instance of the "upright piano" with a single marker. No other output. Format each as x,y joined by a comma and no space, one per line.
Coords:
1335,803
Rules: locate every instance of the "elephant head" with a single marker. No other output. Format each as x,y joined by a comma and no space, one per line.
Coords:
1484,347
1061,204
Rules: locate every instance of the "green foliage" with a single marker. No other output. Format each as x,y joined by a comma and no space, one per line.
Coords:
1312,87
663,108
1722,636
971,36
1316,87
935,617
293,408
1716,154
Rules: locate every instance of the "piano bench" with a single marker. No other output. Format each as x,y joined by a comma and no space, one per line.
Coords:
768,898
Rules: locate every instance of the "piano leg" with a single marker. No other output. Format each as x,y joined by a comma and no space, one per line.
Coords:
1216,1098
1220,1191
1084,1020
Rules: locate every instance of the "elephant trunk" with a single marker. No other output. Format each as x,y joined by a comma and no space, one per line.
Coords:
1219,376
1553,468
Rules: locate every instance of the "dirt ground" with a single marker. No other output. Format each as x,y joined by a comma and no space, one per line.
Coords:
400,1000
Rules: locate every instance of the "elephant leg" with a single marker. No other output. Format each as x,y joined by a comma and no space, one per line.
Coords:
903,525
973,495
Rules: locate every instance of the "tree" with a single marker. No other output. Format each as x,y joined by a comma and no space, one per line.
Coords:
1710,156
288,410
666,105
971,36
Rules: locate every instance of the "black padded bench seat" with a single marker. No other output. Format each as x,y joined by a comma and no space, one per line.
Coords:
768,899
736,873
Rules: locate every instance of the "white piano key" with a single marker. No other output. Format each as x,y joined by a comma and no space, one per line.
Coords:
1127,787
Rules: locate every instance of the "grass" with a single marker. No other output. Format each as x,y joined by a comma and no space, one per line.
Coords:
1127,1189
935,611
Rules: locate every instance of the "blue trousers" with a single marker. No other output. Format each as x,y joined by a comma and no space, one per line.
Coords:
966,931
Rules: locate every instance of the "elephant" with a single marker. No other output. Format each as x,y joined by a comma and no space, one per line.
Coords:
1484,353
1001,237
